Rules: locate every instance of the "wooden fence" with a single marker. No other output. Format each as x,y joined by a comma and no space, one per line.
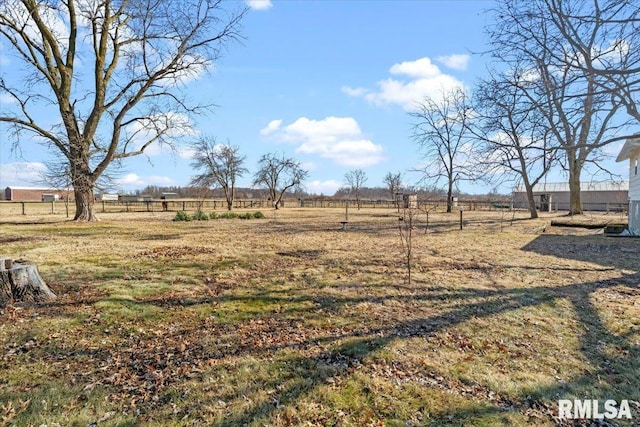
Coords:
192,205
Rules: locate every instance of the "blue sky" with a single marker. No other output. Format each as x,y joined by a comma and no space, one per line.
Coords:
327,82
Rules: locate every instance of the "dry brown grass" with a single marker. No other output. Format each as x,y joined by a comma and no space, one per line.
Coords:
290,321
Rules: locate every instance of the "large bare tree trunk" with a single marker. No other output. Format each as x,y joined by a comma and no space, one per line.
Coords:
575,201
533,211
450,195
85,200
21,282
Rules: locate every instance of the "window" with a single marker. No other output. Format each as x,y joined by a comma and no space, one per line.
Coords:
636,166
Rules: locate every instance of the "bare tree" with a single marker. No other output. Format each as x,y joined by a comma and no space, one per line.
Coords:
602,37
441,132
553,40
110,75
514,137
279,174
406,236
57,176
222,165
355,180
393,181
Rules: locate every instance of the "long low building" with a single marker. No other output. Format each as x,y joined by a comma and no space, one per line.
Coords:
596,196
31,194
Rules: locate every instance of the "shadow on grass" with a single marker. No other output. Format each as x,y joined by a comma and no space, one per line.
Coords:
605,251
621,371
611,374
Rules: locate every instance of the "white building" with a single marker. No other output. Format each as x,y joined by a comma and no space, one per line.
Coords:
631,151
603,196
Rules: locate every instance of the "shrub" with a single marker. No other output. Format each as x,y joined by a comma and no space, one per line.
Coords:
228,215
182,216
200,216
232,215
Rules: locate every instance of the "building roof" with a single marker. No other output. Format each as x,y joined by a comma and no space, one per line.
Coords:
11,187
563,187
631,148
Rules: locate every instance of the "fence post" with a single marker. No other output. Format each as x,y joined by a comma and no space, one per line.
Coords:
52,202
23,208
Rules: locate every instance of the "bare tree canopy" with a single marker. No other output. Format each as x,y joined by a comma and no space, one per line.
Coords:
221,166
393,181
279,174
574,56
110,75
513,136
441,132
355,180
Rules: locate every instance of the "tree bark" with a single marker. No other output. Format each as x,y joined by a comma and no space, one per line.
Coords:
450,195
83,193
533,212
21,282
575,204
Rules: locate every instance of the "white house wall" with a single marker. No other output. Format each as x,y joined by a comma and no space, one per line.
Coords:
634,195
634,178
634,217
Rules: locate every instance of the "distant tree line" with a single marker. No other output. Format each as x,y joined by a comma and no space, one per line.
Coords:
366,193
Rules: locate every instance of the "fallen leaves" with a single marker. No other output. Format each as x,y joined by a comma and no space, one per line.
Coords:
175,252
8,411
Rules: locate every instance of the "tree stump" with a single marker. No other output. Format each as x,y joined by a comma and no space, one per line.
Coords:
21,282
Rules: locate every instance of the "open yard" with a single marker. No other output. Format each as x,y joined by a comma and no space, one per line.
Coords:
288,320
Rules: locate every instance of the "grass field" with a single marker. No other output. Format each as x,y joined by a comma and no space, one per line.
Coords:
288,320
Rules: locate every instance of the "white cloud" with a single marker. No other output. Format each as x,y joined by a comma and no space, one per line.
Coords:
193,67
422,68
132,181
456,61
21,174
259,4
423,79
613,149
174,126
338,139
358,91
273,126
7,99
54,21
323,187
186,152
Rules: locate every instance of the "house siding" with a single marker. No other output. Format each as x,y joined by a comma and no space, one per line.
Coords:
634,195
634,178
